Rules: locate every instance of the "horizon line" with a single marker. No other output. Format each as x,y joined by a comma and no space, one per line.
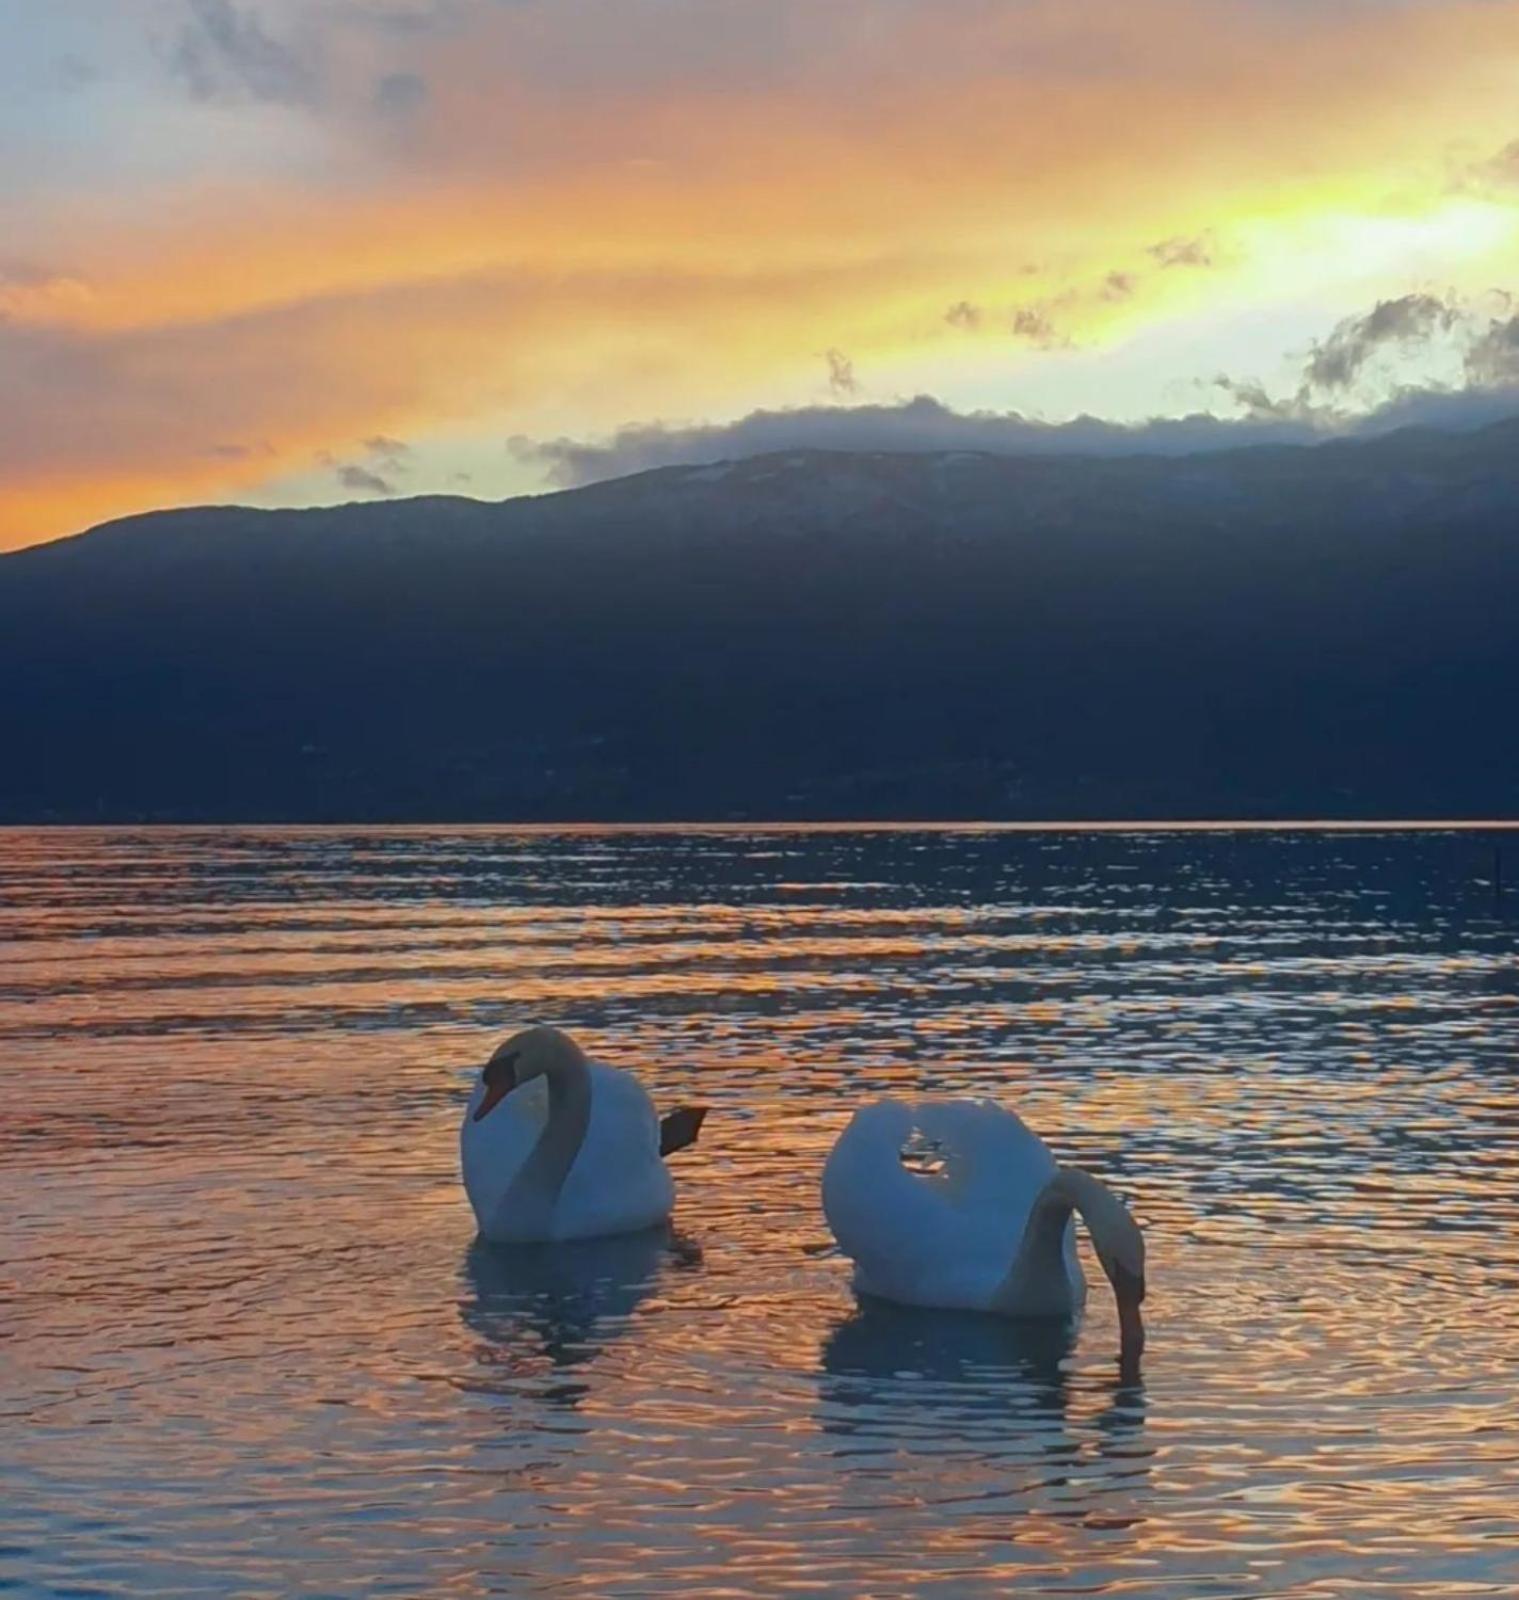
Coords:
772,825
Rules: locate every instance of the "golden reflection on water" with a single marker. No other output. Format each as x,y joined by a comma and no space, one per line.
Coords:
249,1346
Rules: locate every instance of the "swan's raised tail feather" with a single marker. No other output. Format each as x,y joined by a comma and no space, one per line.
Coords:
680,1128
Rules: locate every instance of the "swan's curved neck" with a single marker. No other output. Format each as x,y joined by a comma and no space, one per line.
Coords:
1076,1191
1040,1263
541,1176
1038,1267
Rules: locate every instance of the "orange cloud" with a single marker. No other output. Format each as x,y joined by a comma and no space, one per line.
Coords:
607,213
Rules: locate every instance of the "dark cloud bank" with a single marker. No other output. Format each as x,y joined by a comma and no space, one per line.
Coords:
1327,404
924,423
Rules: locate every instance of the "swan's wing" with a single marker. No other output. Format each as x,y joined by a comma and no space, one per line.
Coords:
623,1117
618,1182
894,1225
994,1163
944,1240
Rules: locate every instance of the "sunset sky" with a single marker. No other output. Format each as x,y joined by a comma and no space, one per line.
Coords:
289,252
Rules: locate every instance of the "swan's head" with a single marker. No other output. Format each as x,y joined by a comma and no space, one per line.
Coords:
527,1055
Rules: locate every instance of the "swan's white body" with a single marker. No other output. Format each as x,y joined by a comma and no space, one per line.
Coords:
616,1180
959,1238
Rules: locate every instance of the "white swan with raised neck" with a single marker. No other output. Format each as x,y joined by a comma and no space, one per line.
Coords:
557,1147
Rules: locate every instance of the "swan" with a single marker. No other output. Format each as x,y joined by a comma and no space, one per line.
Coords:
556,1147
992,1231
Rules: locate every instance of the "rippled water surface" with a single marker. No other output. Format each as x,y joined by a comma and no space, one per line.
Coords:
248,1346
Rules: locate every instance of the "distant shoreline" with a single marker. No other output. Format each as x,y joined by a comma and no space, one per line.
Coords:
1130,825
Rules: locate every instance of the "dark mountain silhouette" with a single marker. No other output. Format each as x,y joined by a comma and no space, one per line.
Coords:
1328,631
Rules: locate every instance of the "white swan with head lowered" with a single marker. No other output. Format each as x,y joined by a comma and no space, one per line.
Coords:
556,1147
992,1230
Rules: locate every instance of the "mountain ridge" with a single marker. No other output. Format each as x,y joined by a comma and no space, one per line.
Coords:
1448,441
1273,630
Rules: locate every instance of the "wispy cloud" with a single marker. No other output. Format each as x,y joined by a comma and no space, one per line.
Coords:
404,18
1496,175
1493,360
1197,251
386,458
222,49
384,448
399,93
237,452
1034,325
72,70
964,315
363,480
29,292
841,378
1338,361
1256,405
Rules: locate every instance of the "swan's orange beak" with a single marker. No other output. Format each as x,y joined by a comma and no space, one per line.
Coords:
494,1094
500,1076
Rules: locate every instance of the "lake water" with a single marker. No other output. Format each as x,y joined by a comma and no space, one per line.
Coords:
248,1347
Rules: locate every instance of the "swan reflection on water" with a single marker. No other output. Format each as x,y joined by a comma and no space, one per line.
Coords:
540,1309
901,1377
